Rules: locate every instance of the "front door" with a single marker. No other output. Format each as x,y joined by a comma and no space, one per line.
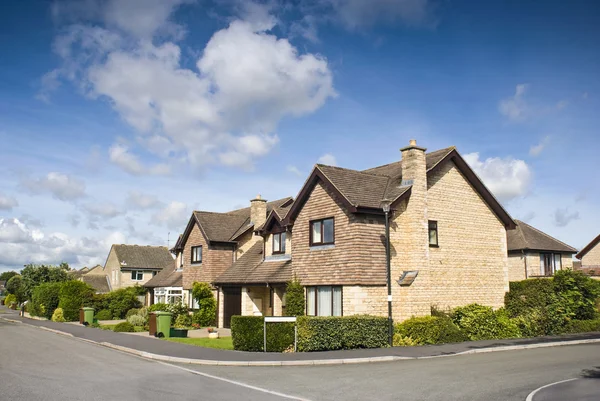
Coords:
232,304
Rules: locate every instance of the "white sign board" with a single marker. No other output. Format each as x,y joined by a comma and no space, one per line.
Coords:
279,319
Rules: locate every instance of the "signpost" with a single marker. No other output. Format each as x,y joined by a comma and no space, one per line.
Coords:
280,319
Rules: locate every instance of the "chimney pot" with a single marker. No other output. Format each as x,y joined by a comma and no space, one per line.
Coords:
412,142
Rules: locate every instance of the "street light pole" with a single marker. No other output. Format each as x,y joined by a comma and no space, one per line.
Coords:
386,209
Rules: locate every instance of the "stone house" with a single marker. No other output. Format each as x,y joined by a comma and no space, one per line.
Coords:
590,257
447,234
129,265
210,244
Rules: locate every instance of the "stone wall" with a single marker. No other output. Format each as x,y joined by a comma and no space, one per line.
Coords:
592,258
360,300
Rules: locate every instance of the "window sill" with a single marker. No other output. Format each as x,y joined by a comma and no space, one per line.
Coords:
196,263
433,246
321,247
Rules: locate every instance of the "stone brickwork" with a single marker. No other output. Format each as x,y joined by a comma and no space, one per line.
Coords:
358,255
531,259
592,257
220,308
245,242
360,300
269,244
215,260
121,279
255,301
516,267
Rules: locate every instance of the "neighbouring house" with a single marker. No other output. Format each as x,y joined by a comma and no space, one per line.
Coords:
129,265
209,245
77,274
98,282
448,237
533,253
590,257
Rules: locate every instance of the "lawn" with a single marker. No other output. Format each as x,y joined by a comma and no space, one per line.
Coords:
218,343
111,327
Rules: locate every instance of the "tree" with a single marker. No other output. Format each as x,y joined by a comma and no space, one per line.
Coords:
5,276
34,275
72,296
294,297
207,304
15,286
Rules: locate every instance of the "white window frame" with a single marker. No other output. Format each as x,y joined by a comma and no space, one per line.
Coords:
137,274
168,295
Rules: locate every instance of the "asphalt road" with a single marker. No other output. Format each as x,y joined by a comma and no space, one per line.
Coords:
39,365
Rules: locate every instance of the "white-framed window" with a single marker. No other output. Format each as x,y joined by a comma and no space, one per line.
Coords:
193,302
168,295
197,254
550,263
324,301
137,275
159,295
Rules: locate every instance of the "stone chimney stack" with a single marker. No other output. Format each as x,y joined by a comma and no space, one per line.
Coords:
414,167
258,211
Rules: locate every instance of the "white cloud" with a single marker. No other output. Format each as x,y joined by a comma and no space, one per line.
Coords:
142,201
507,178
119,155
226,110
562,216
7,202
357,14
537,149
327,159
515,107
61,186
175,215
294,170
102,209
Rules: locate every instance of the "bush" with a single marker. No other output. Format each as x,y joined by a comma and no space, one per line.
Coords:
99,302
58,315
401,341
247,334
430,330
122,300
578,292
136,320
528,294
294,298
480,322
183,321
583,326
143,312
131,312
72,296
344,332
207,304
162,307
10,300
44,299
104,314
16,287
124,327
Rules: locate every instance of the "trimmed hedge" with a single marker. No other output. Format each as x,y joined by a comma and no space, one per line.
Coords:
343,332
582,326
527,294
104,314
124,327
428,330
294,297
247,334
44,299
73,295
480,322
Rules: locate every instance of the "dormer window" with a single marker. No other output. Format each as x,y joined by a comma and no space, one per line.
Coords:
279,243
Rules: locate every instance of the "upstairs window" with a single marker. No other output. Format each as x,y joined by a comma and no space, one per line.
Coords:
322,232
137,275
433,233
278,243
197,254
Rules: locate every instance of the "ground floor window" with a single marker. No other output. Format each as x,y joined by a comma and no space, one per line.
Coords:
324,301
168,295
193,302
550,263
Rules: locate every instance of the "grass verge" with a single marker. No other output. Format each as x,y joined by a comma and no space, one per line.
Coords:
217,343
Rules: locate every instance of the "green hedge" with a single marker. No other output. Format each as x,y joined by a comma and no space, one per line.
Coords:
122,300
428,330
104,314
73,295
124,327
247,334
45,299
582,326
527,294
480,322
346,332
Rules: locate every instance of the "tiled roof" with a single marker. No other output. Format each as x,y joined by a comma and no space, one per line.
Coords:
226,227
168,277
251,269
143,257
97,282
527,237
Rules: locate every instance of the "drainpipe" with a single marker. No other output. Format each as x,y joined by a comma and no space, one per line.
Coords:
525,257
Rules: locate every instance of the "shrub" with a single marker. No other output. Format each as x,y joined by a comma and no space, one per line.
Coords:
578,292
480,322
401,341
10,300
131,312
430,330
104,314
177,310
247,334
207,304
294,298
34,275
124,327
183,321
95,325
15,287
99,302
136,320
143,312
583,326
44,299
72,296
158,307
58,315
527,294
344,332
122,300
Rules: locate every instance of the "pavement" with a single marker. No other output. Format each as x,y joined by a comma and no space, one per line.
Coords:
39,365
149,347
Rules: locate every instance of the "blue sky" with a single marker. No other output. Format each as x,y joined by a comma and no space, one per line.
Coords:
118,118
